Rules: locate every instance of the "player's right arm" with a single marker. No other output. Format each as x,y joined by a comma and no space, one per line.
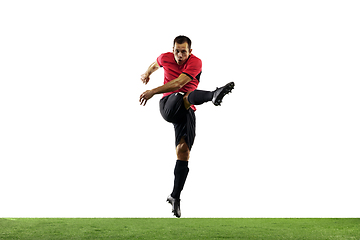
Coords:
145,78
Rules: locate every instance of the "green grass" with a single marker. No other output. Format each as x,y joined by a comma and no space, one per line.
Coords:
186,228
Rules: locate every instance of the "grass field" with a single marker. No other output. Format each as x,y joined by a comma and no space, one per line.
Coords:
186,228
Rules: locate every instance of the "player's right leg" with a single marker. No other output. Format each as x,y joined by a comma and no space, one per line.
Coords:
180,174
173,110
182,151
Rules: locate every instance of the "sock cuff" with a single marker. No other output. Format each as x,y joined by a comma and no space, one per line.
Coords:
198,97
182,163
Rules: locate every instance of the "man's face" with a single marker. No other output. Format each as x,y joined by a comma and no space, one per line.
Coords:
181,52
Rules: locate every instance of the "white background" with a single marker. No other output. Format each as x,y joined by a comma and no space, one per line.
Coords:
74,141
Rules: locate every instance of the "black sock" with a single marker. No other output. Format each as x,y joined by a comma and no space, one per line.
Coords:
181,171
199,97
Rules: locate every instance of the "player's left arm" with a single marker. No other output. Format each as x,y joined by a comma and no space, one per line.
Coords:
171,86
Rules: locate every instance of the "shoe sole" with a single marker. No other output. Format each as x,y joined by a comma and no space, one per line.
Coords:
227,89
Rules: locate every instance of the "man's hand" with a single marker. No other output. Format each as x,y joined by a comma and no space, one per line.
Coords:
145,78
145,96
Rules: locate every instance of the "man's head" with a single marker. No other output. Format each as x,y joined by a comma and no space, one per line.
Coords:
182,49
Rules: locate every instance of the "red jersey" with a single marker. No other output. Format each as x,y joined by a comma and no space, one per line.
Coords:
192,67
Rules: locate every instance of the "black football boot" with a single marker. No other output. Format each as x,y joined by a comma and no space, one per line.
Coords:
219,93
175,205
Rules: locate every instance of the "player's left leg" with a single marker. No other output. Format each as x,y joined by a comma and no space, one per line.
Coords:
187,104
198,97
172,108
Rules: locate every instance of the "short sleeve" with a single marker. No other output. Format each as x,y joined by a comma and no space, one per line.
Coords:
160,60
193,67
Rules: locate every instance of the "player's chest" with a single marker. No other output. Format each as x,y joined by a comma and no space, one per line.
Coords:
174,68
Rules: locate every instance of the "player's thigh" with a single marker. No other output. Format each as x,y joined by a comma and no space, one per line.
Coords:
172,108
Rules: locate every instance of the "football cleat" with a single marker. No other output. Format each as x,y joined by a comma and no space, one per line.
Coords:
219,93
175,205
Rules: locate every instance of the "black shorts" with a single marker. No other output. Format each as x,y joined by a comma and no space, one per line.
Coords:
173,110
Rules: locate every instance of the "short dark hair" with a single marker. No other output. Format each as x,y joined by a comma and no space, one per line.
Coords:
182,39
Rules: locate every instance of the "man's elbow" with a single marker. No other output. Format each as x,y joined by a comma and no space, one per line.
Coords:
182,81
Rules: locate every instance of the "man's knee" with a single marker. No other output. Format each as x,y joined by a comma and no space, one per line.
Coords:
187,104
182,151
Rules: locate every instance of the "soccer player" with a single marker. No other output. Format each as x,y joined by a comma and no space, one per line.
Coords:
182,72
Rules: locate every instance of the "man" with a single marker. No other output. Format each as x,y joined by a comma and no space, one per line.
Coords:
182,72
